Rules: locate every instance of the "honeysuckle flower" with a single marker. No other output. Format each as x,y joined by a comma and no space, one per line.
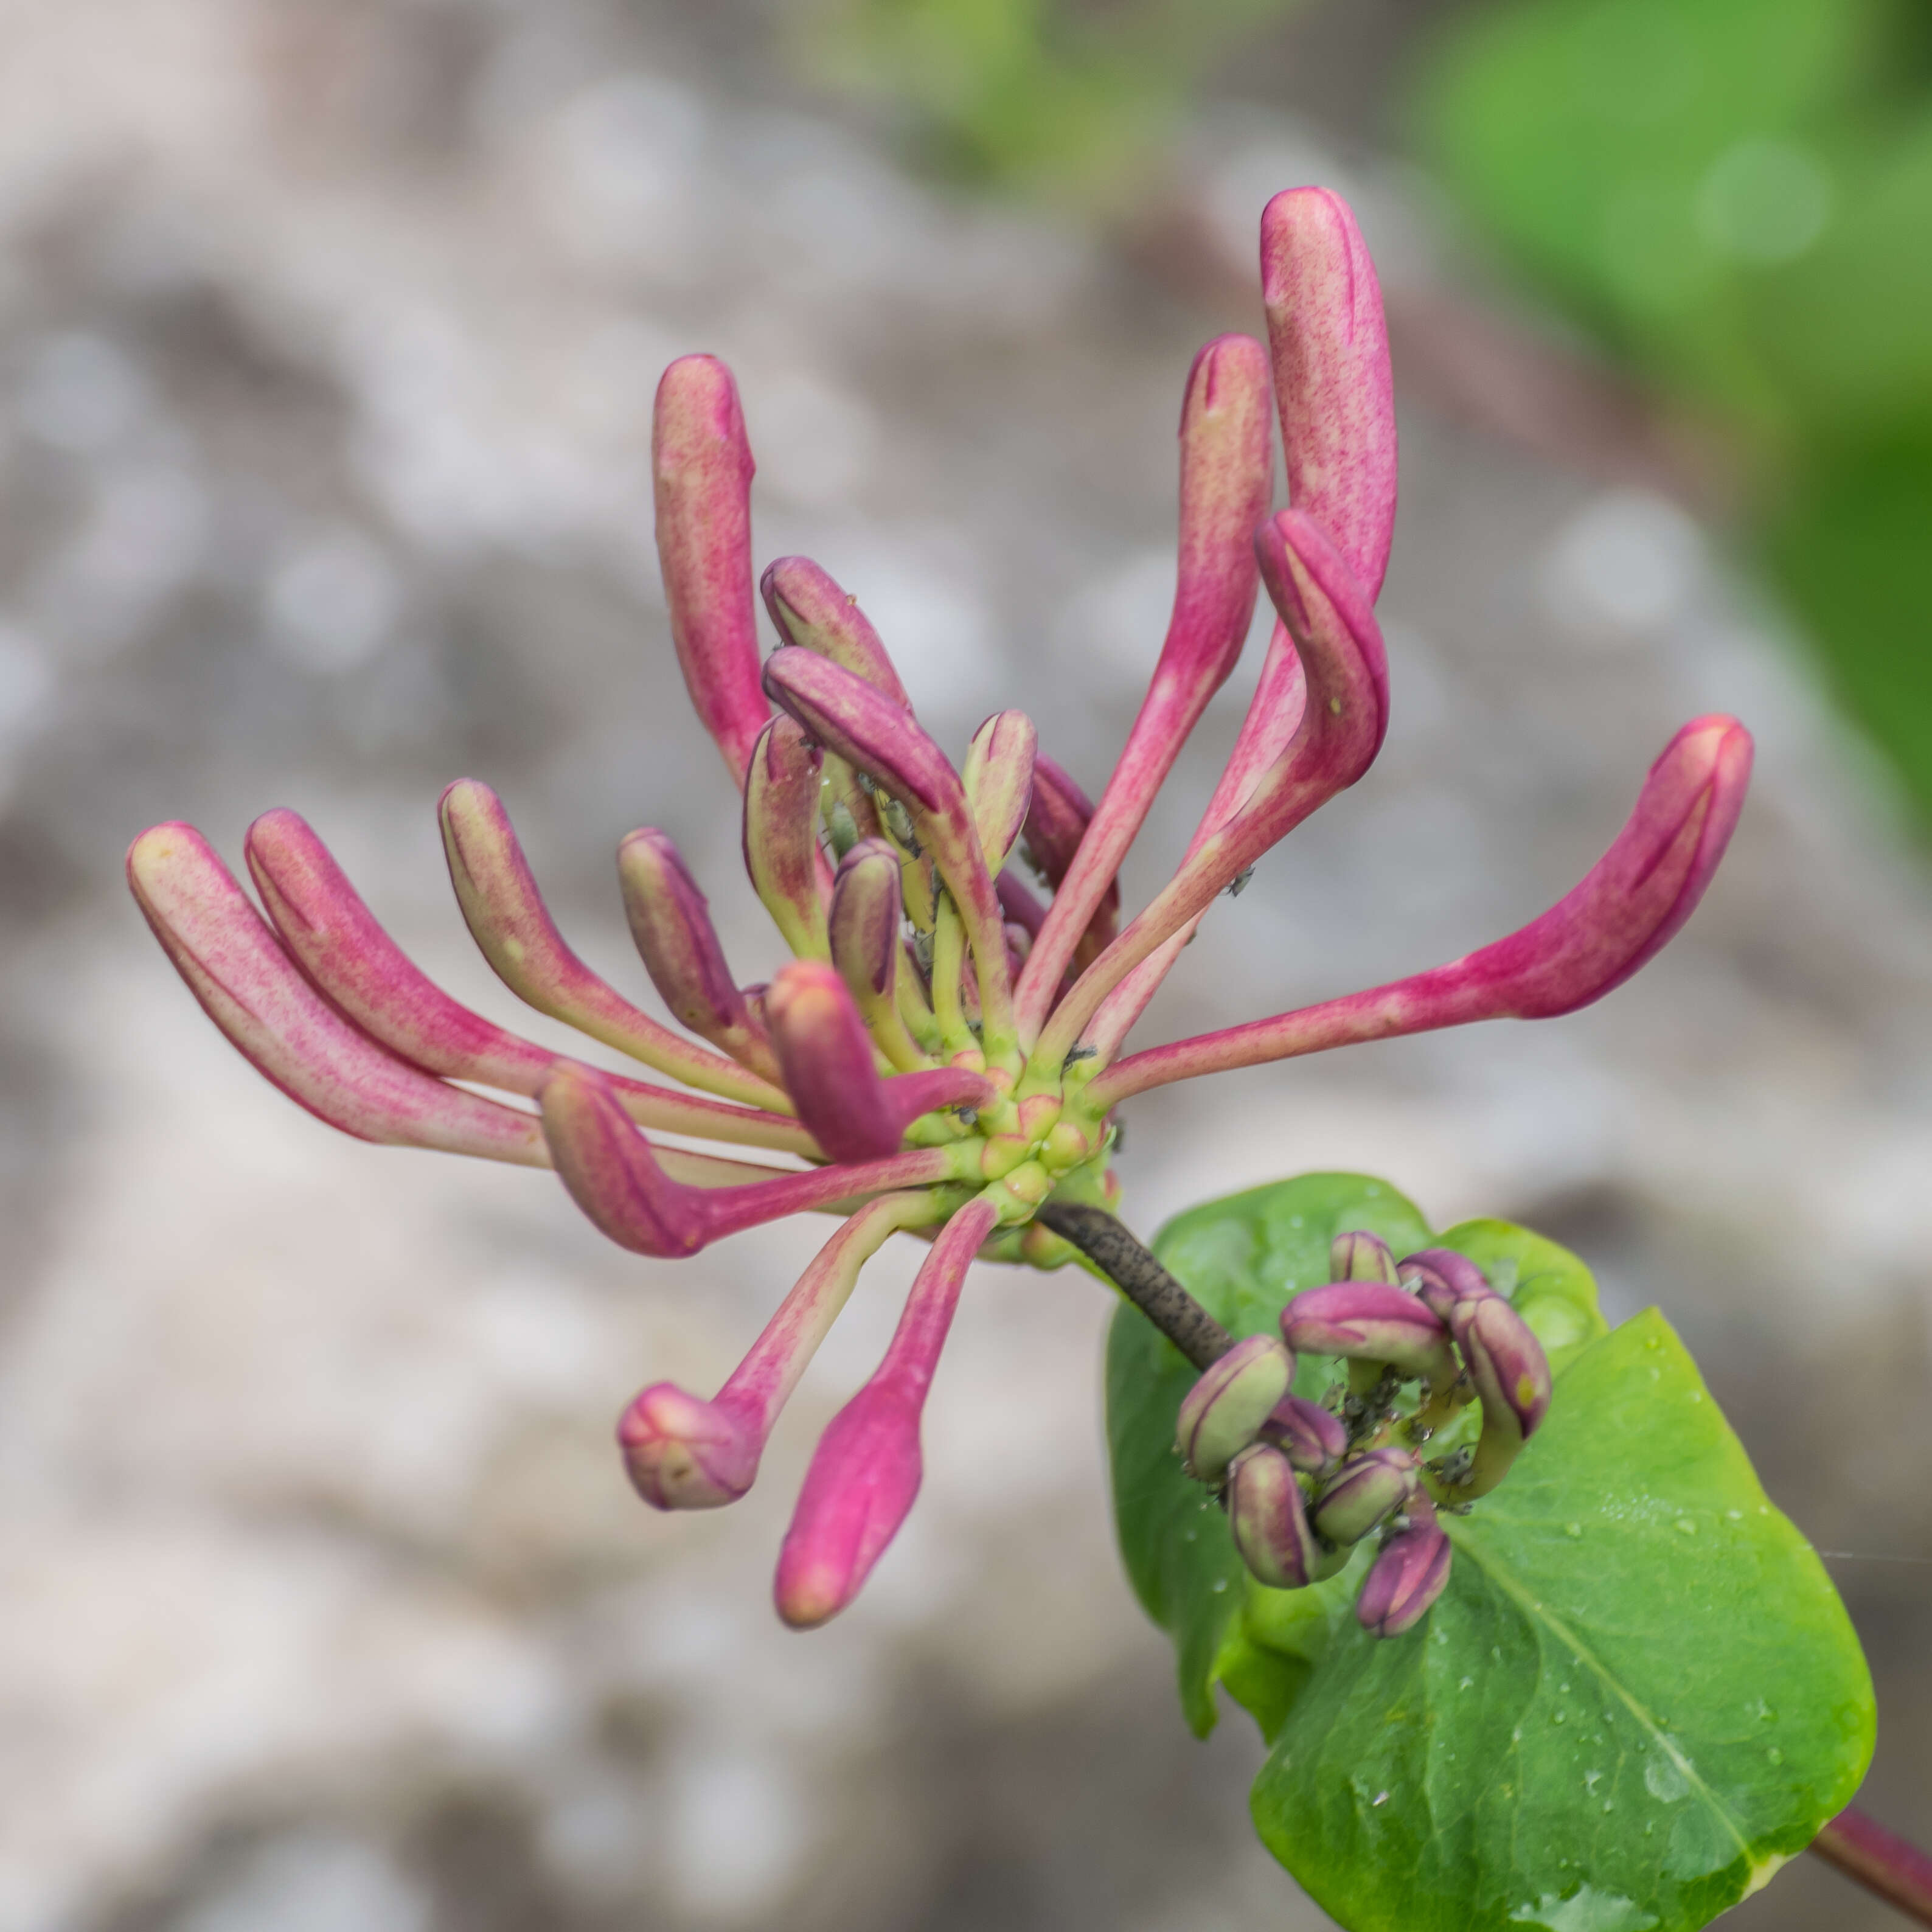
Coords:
944,1051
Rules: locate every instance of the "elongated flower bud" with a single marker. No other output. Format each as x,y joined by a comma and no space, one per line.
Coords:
1358,1256
1223,1412
1270,1522
626,1190
1304,1431
339,943
507,919
1408,1575
1332,382
866,1470
1628,906
1226,478
1633,900
671,920
998,778
1364,1491
781,836
809,609
251,988
684,1453
867,948
847,715
701,474
826,1055
1370,1321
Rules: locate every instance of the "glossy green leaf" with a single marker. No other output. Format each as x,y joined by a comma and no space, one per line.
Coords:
1639,1693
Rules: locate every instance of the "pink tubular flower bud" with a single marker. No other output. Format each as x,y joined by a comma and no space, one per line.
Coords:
683,1452
1443,1279
509,920
1312,1439
1342,720
251,988
809,609
338,942
670,921
867,909
628,1191
1358,1256
998,778
826,1055
866,1470
1509,1373
1223,1412
1226,476
1628,906
1408,1575
865,728
780,835
842,712
1370,1321
1364,1491
1332,383
701,474
1270,1523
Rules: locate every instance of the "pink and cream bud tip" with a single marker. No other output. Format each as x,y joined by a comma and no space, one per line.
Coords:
683,1452
863,1480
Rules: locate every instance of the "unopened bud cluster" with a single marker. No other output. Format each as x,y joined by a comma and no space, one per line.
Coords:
1304,1482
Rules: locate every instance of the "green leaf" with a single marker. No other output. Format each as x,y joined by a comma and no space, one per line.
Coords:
1639,1693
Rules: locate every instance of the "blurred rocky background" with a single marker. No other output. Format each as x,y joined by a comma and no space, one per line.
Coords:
328,330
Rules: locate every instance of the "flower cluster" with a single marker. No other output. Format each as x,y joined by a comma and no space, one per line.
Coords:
943,1053
1304,1482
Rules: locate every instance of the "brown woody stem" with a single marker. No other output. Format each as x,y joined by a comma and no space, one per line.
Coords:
1105,1242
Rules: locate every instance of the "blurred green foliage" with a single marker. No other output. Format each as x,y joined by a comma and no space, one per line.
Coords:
1736,196
1070,98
